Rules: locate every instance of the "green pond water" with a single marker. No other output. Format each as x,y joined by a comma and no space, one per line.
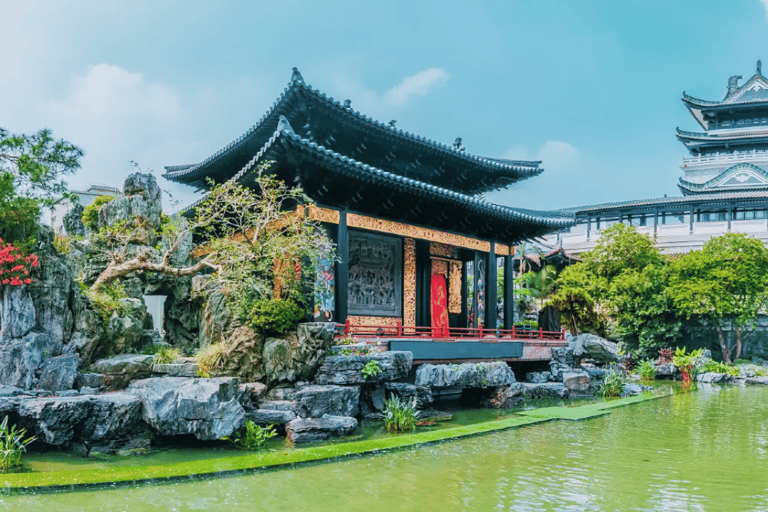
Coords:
702,450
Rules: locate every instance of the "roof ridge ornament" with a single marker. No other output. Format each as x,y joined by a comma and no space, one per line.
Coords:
457,144
296,76
759,67
392,123
284,126
733,83
348,104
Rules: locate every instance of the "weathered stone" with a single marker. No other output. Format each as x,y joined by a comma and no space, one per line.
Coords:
308,430
546,390
72,221
594,372
17,312
591,346
242,354
409,392
206,408
762,381
251,393
176,369
141,200
538,377
120,370
345,370
91,380
85,390
467,375
434,415
576,381
67,392
632,389
8,391
317,401
54,420
667,370
58,373
20,359
713,378
51,293
278,405
264,417
563,355
505,397
115,421
120,334
281,393
287,360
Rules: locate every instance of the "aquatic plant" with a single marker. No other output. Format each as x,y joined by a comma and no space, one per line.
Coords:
399,415
613,385
254,438
12,445
371,369
647,370
712,366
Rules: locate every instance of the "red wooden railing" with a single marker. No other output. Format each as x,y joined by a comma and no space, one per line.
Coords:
348,330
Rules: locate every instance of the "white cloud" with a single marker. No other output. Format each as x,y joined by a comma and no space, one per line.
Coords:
417,85
765,6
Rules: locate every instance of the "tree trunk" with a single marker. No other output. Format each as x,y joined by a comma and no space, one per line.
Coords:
738,342
723,345
140,264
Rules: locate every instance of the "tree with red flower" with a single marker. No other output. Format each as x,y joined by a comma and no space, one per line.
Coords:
15,265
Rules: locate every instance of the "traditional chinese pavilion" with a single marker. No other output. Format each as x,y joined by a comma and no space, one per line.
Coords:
724,182
403,210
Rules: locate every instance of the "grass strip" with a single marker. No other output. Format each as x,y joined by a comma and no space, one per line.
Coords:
85,478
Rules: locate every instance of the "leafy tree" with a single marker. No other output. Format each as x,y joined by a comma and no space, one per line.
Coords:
537,285
32,168
724,283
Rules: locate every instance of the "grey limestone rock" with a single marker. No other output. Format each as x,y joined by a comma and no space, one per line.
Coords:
318,401
287,360
20,359
54,420
59,373
632,389
251,393
118,371
91,380
206,408
8,391
577,381
713,378
176,369
409,392
594,347
594,372
264,417
307,430
17,312
466,375
345,370
667,370
762,381
546,390
538,377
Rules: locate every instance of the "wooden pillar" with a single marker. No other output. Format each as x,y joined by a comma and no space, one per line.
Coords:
655,220
730,216
342,270
589,226
423,290
491,289
476,266
509,292
464,295
693,211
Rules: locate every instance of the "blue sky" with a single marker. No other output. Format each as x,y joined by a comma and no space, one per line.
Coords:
591,88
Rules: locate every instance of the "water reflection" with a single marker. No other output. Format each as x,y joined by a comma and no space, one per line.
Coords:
704,450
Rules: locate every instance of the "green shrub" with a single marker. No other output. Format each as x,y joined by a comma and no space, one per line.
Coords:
371,370
712,366
209,359
613,385
647,370
167,355
91,212
62,244
12,445
254,438
106,300
273,317
687,363
399,415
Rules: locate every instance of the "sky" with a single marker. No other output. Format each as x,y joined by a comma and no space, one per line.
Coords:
591,88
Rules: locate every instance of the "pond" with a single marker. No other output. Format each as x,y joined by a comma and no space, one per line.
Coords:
701,450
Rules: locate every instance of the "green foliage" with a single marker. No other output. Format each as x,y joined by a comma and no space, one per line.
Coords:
273,317
686,362
399,415
371,369
536,285
712,366
254,438
167,355
91,212
106,300
647,370
576,307
12,445
62,244
354,351
613,385
209,359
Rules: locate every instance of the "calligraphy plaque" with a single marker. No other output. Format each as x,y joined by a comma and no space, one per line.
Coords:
375,286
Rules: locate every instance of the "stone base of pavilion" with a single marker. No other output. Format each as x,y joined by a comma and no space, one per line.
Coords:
471,350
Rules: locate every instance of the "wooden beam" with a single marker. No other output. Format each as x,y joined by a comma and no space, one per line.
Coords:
342,269
491,288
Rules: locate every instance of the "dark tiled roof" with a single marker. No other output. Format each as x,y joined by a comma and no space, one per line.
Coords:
719,197
706,137
687,186
261,131
286,138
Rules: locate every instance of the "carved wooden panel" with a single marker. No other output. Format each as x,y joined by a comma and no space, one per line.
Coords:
375,286
409,282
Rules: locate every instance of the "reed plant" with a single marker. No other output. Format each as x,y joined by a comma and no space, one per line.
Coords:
647,370
399,415
613,385
12,445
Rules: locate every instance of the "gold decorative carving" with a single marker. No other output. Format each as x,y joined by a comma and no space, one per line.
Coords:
440,267
454,287
407,230
372,321
324,214
502,250
446,251
409,282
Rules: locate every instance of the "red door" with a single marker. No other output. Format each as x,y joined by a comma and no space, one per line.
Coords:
439,307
